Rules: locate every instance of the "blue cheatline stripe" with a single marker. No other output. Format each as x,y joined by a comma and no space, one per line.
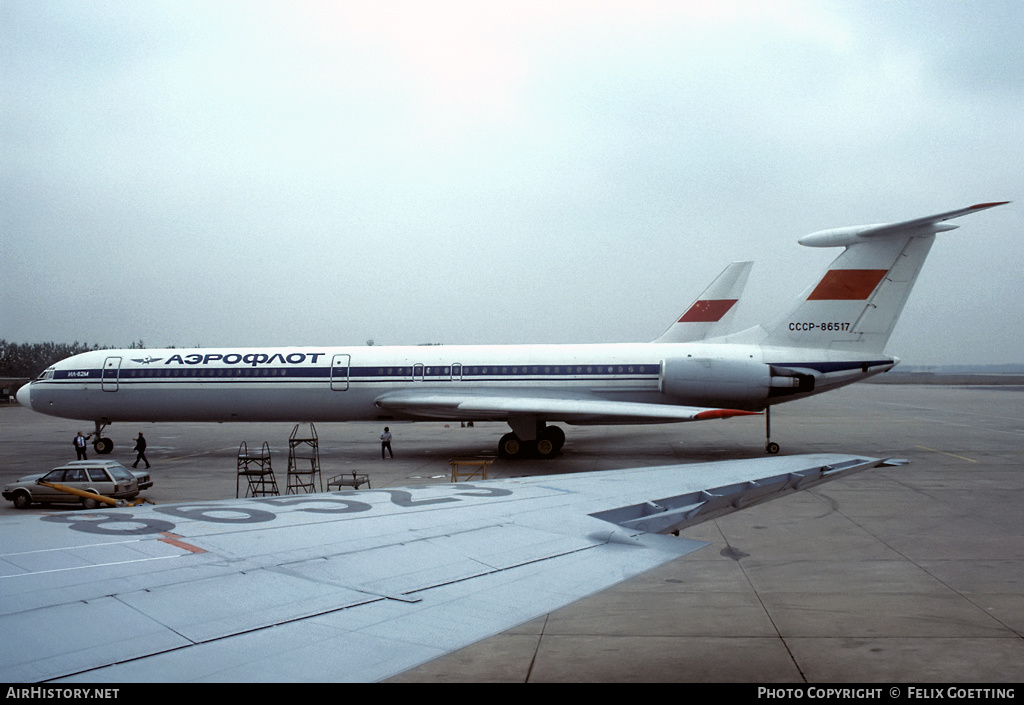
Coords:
491,373
367,373
826,367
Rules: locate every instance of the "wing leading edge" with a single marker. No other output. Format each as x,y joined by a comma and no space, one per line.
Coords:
570,409
346,586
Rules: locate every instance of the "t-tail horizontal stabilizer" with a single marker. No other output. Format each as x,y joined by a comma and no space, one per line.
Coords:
844,237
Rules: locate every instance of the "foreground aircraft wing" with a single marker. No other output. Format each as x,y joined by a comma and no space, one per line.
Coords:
346,586
570,409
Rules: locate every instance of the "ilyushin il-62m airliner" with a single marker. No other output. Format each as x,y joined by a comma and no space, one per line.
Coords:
833,335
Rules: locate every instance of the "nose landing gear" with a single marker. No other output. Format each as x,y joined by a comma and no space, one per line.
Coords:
102,445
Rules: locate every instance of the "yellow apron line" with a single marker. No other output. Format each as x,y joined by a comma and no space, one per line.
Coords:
951,455
193,455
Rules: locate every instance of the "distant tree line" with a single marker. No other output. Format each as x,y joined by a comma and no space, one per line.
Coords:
29,359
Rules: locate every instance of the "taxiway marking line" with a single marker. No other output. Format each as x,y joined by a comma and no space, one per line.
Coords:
951,455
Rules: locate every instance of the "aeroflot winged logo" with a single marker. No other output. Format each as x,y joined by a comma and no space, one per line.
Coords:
149,359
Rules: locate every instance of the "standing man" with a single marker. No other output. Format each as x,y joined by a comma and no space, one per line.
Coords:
140,448
80,444
385,442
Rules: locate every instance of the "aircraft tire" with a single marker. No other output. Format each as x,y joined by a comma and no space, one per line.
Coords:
772,447
557,436
551,440
510,446
546,448
103,446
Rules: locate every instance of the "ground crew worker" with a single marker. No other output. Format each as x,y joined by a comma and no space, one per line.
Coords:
140,448
81,443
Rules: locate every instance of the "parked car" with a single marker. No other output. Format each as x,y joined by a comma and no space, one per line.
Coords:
145,481
104,477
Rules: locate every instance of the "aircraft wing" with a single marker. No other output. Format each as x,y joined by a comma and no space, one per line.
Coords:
345,586
580,409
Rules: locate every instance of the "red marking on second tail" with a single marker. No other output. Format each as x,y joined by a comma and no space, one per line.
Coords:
707,311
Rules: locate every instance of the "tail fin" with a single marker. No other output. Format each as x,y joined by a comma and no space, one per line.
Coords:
856,304
713,310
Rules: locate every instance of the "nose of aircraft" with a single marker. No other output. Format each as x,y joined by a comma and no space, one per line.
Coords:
24,396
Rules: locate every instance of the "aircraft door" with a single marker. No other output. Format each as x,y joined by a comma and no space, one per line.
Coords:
339,372
109,377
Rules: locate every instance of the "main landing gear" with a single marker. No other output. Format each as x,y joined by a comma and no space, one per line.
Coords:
102,445
548,441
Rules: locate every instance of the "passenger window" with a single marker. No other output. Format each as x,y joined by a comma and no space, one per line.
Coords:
97,475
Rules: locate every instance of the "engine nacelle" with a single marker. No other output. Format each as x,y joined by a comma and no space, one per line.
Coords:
716,382
786,381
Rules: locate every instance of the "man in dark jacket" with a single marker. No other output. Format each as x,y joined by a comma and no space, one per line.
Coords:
140,448
80,444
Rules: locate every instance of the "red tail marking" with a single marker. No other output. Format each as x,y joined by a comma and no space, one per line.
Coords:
707,311
847,284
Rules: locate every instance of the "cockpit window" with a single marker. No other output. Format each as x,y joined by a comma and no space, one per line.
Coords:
45,374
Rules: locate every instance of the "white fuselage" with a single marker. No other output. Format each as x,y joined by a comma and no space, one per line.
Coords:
352,383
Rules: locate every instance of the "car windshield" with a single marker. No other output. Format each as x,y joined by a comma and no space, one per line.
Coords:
119,473
54,476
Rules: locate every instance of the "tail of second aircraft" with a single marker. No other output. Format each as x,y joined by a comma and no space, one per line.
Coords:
855,305
713,310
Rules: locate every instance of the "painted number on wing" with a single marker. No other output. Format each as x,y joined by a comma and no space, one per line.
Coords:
126,524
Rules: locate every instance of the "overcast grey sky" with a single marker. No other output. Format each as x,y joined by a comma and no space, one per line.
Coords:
324,173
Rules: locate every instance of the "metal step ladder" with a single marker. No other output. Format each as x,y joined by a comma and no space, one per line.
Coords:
258,471
303,461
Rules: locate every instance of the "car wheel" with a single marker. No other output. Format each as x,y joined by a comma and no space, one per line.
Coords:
22,500
90,503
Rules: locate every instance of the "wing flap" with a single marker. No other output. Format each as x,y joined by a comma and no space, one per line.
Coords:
672,514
